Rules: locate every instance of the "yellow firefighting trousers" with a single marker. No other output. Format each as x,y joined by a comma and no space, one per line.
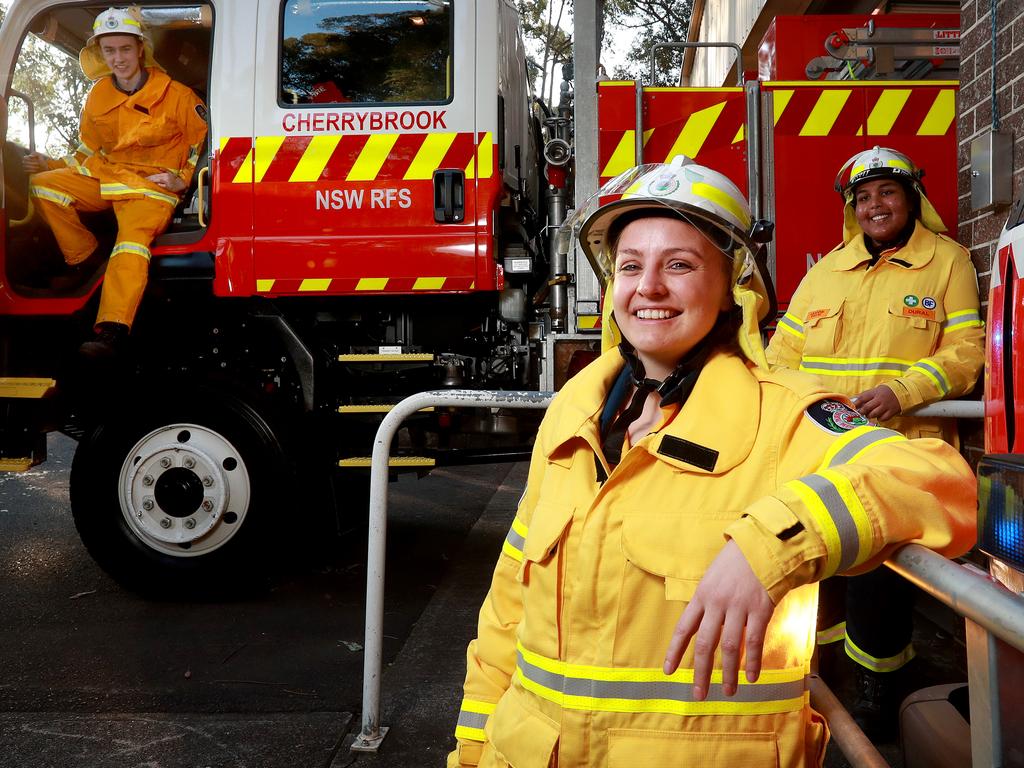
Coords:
60,195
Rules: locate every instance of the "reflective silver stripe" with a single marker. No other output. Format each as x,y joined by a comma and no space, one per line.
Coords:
472,719
965,318
880,365
664,690
792,324
849,538
515,540
934,370
859,443
45,193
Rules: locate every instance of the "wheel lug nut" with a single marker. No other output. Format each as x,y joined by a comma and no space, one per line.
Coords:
188,462
207,505
147,504
190,523
147,480
165,462
165,523
207,481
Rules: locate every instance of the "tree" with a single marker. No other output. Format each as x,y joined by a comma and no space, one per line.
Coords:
550,44
647,22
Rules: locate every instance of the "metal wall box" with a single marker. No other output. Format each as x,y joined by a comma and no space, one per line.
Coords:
991,170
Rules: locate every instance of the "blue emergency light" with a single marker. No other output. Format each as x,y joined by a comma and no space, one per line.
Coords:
1001,508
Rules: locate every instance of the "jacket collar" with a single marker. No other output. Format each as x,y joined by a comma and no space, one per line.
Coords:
918,251
108,97
714,431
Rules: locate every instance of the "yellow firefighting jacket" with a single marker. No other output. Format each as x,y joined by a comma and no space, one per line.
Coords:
911,322
125,138
593,577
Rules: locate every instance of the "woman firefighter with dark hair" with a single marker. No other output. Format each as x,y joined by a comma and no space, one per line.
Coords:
681,503
889,318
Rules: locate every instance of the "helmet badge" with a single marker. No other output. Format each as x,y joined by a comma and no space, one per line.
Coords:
663,185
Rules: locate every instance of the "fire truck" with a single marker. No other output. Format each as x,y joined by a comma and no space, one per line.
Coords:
377,213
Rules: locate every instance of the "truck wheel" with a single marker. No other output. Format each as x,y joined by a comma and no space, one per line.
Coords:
179,503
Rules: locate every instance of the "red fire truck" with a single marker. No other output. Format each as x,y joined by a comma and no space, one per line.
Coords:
375,215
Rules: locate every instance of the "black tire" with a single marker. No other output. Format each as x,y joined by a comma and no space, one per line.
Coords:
166,458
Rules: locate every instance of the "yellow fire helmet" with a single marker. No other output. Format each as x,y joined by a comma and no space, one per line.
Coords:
704,198
114,21
881,163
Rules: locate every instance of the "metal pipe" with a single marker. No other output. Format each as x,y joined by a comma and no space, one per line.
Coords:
638,138
850,739
752,96
739,55
952,409
966,591
371,734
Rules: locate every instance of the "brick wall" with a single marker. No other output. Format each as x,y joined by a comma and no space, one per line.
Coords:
979,231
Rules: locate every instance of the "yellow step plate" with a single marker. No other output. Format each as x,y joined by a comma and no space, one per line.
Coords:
417,357
372,409
394,461
15,465
29,389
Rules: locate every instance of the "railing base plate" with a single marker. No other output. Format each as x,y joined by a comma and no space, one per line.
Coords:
365,743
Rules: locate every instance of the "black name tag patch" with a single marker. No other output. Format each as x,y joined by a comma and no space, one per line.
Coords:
691,453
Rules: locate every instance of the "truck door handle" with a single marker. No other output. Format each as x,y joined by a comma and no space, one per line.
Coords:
449,196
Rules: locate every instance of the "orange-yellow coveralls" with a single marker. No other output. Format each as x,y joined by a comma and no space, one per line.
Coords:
566,668
124,139
911,322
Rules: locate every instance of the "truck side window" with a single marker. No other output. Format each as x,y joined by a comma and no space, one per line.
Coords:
358,52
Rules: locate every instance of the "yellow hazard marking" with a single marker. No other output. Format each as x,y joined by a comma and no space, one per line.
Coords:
264,285
224,142
739,135
372,284
588,322
472,285
825,113
845,84
25,388
695,89
780,100
266,151
315,284
315,158
484,159
695,132
886,110
396,461
623,157
429,156
375,409
15,465
428,283
397,357
244,175
940,116
631,83
372,157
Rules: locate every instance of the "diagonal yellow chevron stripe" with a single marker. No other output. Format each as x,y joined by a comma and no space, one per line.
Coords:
941,114
825,113
315,158
266,151
888,107
695,132
372,157
429,156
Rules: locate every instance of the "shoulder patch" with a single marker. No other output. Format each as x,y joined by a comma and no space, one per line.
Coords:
834,416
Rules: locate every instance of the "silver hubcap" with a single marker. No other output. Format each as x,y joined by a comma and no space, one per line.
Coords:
184,490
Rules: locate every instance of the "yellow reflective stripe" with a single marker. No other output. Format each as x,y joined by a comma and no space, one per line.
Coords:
244,175
934,372
887,664
429,283
790,323
265,149
473,717
315,284
45,193
865,534
372,284
826,525
313,161
621,689
515,539
780,100
264,285
739,135
695,132
117,190
848,448
429,156
833,634
623,157
855,366
886,110
84,149
825,113
372,157
482,165
130,247
940,116
965,318
716,195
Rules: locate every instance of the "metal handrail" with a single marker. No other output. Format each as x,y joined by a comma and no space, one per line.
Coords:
684,45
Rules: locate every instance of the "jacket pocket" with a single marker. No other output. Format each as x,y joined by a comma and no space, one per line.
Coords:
656,749
544,534
823,330
676,547
914,331
520,736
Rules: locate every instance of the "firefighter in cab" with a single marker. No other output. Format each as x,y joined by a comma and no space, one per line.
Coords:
140,137
654,601
891,319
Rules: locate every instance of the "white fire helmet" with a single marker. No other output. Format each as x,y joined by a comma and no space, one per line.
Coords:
881,163
114,21
702,197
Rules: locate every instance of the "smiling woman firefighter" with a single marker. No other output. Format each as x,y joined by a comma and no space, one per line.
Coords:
681,502
889,318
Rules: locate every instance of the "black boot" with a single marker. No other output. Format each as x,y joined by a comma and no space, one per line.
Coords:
876,703
77,275
110,338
